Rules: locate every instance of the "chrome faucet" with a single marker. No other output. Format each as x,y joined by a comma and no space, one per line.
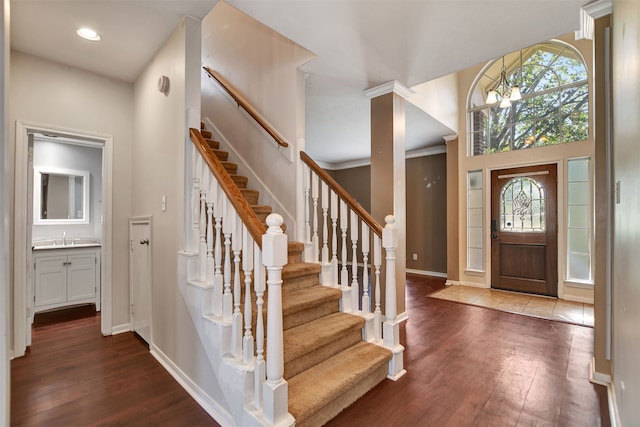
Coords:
64,238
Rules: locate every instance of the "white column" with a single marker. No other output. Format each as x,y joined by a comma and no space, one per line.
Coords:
274,257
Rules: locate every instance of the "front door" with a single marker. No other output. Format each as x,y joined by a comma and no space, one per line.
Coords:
524,236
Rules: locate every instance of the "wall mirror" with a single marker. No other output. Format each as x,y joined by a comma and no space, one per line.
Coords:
60,196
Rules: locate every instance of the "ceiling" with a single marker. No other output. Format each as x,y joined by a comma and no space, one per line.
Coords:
359,44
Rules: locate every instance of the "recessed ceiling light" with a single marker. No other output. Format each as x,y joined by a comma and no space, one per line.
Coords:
89,34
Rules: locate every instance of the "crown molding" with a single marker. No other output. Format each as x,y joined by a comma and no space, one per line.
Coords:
420,152
450,138
390,87
589,13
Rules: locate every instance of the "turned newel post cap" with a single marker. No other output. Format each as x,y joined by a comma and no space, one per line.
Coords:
390,233
274,243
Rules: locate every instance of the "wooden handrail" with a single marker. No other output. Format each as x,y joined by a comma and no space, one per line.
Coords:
242,102
343,194
242,207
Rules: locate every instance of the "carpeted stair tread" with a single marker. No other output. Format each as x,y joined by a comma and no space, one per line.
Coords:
294,252
231,167
300,269
336,383
294,302
240,180
221,154
318,333
213,144
251,196
206,134
309,304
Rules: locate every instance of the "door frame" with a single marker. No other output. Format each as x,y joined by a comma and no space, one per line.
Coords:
561,195
22,257
141,220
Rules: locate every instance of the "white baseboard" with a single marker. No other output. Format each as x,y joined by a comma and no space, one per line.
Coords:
605,380
120,329
200,396
452,283
426,273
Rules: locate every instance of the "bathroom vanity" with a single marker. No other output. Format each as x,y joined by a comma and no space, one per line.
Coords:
66,275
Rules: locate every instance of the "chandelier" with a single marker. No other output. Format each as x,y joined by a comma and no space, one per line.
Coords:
504,90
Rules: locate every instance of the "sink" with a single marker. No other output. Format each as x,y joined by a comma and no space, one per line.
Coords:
79,242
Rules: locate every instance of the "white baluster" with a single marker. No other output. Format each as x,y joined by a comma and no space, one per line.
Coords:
377,313
344,274
366,303
218,209
334,239
391,327
259,283
247,266
210,226
307,210
227,228
202,250
325,228
314,197
236,246
196,201
274,257
355,289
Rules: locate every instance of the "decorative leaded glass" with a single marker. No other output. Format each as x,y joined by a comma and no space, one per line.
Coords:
522,206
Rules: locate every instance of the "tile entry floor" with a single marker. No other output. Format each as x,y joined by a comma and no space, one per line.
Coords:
513,302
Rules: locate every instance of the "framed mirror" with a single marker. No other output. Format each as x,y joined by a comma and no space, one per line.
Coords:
60,196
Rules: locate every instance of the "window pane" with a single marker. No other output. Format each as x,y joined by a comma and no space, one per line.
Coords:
522,206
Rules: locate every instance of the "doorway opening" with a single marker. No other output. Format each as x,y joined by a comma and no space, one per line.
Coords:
75,215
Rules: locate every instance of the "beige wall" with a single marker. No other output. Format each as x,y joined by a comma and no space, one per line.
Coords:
263,66
550,154
80,100
160,142
626,245
426,207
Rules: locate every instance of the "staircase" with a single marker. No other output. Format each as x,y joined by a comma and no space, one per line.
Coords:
327,364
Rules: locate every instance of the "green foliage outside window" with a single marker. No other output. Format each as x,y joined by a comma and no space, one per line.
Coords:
554,108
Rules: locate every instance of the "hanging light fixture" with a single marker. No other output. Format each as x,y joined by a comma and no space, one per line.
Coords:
504,90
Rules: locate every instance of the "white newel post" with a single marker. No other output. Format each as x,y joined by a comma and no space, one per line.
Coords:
391,326
274,257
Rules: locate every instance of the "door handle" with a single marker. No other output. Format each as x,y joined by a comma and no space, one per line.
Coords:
144,242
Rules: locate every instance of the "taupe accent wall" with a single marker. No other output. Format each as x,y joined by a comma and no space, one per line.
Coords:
426,207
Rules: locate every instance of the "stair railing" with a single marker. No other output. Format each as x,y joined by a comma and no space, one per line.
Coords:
233,252
325,200
242,102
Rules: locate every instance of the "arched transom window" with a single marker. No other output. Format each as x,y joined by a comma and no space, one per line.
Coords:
554,107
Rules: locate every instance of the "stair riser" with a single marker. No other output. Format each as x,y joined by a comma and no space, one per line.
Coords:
301,282
303,316
344,400
251,196
222,155
231,168
295,366
214,145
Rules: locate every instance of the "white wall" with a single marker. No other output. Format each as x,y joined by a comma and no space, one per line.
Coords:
73,157
263,66
438,98
4,216
626,134
48,93
160,142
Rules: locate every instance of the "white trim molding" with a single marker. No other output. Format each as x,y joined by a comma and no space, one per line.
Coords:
427,273
198,394
389,87
589,13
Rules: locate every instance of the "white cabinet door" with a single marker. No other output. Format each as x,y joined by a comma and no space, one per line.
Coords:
140,277
51,280
81,277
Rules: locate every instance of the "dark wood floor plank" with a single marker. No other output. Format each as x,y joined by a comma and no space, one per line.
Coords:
467,366
472,366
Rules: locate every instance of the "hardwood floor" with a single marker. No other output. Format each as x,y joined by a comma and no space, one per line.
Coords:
73,376
467,366
472,366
